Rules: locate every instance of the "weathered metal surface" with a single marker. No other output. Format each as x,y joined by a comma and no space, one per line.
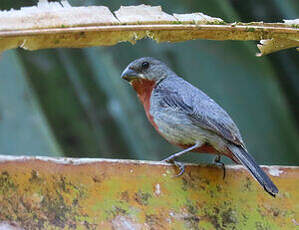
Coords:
52,25
45,193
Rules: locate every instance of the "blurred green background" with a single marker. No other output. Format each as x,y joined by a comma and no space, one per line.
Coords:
72,102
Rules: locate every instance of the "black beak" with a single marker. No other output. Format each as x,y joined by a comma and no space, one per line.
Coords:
129,74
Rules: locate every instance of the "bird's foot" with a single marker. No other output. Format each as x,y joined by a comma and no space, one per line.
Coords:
178,164
217,161
181,166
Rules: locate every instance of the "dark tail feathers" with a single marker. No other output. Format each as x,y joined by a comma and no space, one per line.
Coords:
247,160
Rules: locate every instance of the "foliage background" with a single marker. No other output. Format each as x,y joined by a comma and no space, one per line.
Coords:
72,102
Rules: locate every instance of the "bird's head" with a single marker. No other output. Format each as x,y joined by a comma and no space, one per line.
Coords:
144,74
145,69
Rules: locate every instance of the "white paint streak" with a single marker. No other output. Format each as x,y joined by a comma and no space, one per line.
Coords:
79,161
274,171
235,167
76,161
291,22
157,189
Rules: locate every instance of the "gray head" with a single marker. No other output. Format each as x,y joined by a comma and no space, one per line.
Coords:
146,68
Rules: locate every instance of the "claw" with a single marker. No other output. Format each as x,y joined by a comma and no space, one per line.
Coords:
178,164
181,166
171,159
217,161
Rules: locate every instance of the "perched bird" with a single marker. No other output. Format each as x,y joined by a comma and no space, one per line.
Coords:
187,117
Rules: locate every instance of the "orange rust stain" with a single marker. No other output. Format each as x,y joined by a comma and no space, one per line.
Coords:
37,193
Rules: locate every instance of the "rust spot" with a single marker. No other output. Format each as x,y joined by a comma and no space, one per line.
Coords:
213,218
154,222
261,226
192,222
89,226
96,179
192,219
142,197
125,196
35,178
229,217
117,211
6,183
219,188
40,194
191,208
247,185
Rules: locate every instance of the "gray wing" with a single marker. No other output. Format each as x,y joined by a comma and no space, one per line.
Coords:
202,110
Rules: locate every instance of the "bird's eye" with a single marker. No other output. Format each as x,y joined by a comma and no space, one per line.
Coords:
145,65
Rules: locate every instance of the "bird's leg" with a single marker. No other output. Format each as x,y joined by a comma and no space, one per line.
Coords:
217,160
171,158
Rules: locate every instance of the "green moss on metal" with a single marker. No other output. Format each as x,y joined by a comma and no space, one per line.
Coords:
178,22
107,195
217,22
250,29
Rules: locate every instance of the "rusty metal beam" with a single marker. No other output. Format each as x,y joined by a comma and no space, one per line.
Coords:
51,25
65,193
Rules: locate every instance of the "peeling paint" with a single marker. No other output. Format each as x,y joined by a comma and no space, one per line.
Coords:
97,26
66,193
274,171
79,161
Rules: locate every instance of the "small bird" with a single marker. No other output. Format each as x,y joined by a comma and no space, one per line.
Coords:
186,117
